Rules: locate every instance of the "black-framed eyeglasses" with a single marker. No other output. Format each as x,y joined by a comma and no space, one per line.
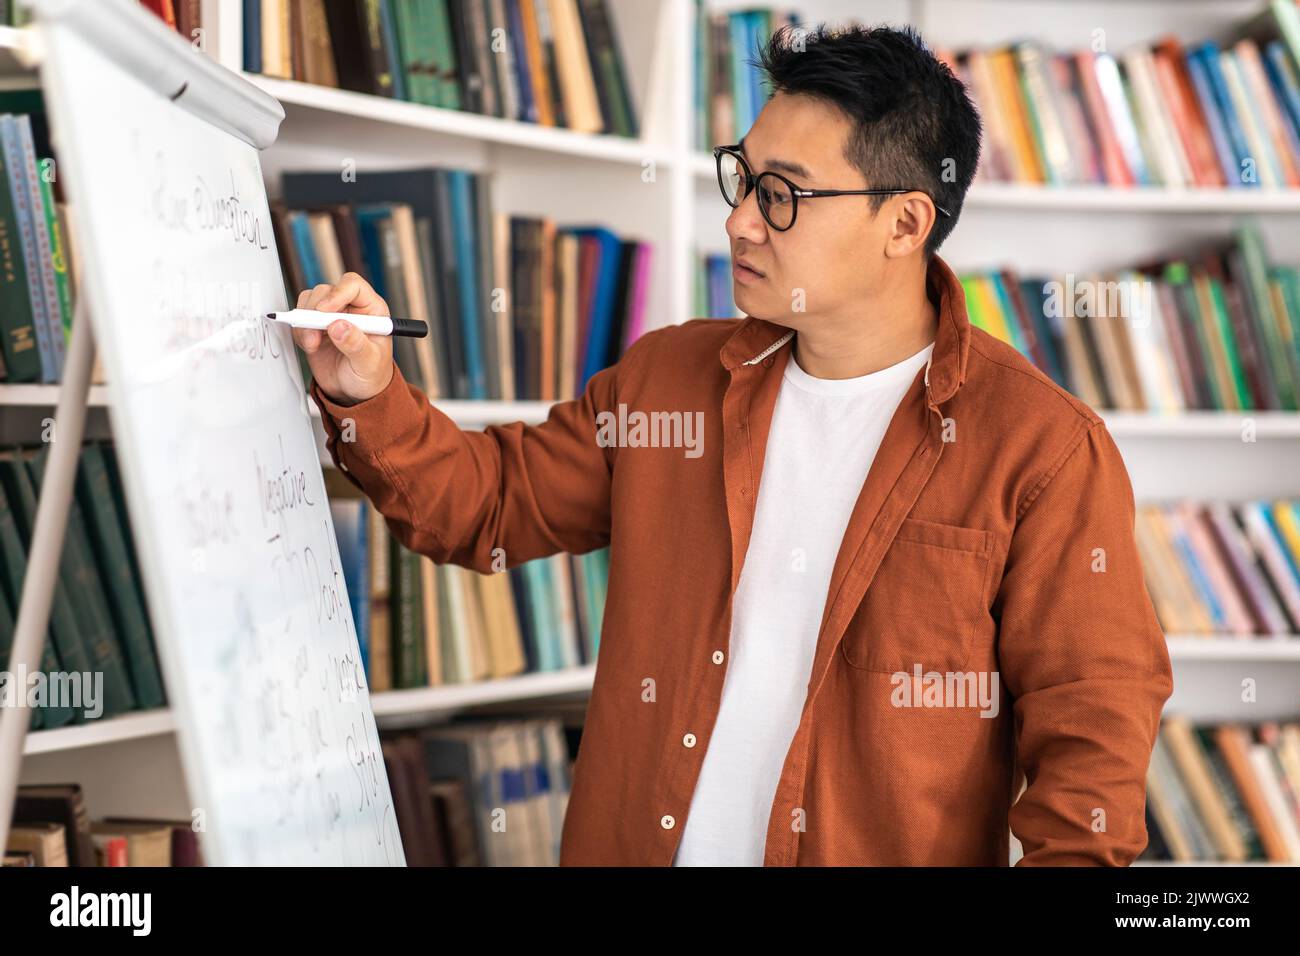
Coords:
778,197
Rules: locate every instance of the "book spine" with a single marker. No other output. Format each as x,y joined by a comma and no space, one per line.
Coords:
20,196
107,535
18,340
35,172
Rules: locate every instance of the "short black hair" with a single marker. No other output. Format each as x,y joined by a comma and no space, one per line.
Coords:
914,125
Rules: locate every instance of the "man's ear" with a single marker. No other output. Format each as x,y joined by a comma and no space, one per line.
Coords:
913,218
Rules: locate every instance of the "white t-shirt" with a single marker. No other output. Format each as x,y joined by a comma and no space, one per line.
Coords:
824,436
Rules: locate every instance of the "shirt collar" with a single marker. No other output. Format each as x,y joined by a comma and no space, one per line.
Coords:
756,339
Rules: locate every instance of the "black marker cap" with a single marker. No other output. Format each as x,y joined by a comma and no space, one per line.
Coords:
412,327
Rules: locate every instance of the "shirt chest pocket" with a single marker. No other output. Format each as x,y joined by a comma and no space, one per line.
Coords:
925,602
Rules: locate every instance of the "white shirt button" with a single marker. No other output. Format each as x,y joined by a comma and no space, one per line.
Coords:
717,657
667,822
689,740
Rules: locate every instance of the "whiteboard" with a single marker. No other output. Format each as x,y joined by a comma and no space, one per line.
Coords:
219,462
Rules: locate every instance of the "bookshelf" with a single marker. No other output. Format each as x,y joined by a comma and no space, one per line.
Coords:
580,178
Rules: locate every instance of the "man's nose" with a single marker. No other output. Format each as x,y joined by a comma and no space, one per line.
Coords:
746,221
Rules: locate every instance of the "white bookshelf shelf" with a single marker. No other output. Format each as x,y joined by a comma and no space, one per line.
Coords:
1103,199
383,112
11,45
471,414
1202,424
417,702
111,730
390,707
1222,648
42,396
468,414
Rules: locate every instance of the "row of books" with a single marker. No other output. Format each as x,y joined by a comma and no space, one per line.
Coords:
1219,329
98,621
551,62
1224,793
36,280
519,306
472,792
712,287
52,827
1155,115
730,90
481,792
1218,568
426,625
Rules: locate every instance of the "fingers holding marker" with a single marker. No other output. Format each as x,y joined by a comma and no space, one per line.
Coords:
353,294
350,340
308,339
315,297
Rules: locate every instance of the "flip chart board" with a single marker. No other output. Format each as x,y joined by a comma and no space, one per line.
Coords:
158,151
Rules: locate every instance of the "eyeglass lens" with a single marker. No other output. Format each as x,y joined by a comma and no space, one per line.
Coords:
774,196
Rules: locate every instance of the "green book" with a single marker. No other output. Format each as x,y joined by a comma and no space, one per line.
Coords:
7,628
1223,323
1257,295
22,357
13,568
107,533
58,257
86,596
410,51
1179,278
405,602
438,26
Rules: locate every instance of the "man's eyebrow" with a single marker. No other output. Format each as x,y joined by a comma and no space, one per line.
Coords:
794,169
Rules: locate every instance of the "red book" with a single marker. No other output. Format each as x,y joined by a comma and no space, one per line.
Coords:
111,850
1112,157
164,10
1185,109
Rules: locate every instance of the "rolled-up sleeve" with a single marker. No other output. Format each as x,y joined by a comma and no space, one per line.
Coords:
1083,657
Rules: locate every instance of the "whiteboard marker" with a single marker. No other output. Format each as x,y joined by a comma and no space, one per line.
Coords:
370,324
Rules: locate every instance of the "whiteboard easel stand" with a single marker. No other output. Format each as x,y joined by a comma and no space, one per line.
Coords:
42,576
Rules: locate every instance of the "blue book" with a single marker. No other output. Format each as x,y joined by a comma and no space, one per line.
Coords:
1223,148
739,31
604,312
527,102
21,194
1048,336
1195,570
541,604
1291,558
1281,74
253,36
372,244
1010,316
757,98
465,237
1208,54
303,245
44,243
351,521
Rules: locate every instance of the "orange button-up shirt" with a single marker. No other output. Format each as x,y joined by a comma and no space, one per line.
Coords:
992,547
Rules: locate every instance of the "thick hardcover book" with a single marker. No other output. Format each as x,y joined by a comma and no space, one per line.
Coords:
108,531
86,594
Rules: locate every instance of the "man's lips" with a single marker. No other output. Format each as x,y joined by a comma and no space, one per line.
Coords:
745,265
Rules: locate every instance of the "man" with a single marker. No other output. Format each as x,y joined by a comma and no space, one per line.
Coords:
896,575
